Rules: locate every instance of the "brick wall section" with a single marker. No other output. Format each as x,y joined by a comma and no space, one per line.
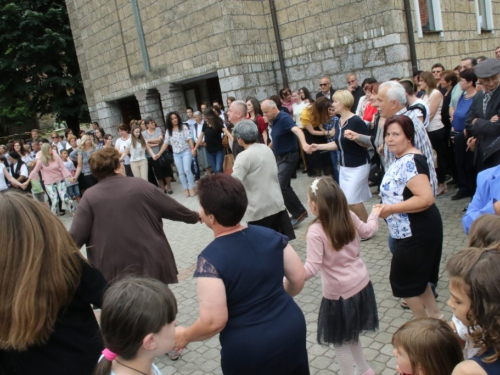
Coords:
460,38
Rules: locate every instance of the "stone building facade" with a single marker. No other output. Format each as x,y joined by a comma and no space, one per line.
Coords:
143,58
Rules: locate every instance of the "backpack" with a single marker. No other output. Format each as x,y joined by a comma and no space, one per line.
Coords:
419,106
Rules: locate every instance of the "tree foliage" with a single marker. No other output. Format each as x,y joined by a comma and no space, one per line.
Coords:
38,61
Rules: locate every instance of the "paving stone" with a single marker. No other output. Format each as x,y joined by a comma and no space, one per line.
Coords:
187,241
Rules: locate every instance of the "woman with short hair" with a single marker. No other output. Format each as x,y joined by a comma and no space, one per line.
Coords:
286,99
46,319
414,221
354,158
435,130
241,291
256,168
125,207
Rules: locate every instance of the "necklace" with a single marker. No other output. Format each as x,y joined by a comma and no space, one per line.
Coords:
140,372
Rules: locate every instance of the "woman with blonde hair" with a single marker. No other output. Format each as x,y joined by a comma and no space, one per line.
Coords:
54,174
47,288
353,158
83,174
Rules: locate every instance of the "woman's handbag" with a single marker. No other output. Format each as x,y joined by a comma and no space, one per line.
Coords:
228,164
166,159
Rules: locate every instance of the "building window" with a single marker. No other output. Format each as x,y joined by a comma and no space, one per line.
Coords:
428,16
484,15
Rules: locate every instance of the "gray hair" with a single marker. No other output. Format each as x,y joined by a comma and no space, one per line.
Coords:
269,103
395,91
197,114
247,131
242,106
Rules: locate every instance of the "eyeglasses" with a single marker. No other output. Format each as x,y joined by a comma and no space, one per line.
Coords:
323,84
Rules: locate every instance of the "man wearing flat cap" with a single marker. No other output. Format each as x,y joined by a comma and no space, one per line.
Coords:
482,125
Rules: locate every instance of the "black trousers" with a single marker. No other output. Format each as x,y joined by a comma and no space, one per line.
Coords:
437,141
286,168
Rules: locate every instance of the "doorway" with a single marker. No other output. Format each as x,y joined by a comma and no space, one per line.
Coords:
129,108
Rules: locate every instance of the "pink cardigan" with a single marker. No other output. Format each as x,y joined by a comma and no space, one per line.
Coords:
54,172
343,273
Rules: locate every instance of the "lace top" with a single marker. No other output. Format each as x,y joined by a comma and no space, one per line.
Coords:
179,139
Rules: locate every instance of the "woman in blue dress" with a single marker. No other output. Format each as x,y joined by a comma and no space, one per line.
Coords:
241,291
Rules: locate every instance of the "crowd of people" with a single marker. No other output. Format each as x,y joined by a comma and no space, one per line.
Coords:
406,140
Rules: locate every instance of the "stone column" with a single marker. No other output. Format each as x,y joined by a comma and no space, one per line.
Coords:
108,115
150,105
172,99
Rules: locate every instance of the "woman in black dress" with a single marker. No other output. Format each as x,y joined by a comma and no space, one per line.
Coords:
240,289
413,219
47,324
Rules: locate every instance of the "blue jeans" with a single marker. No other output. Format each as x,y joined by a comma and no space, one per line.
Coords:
216,159
183,164
335,171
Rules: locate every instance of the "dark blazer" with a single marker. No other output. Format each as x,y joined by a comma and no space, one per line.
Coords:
358,93
320,94
487,153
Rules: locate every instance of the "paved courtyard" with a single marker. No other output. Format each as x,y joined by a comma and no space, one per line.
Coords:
187,241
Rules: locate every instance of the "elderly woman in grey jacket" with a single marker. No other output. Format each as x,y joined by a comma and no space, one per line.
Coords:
256,168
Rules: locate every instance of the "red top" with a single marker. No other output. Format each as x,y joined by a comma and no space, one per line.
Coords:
369,112
261,124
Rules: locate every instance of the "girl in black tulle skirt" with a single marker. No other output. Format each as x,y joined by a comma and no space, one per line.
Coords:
348,307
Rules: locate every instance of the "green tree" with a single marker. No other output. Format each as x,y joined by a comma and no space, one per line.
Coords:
38,61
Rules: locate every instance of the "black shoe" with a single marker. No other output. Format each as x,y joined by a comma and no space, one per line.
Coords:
300,219
460,195
304,171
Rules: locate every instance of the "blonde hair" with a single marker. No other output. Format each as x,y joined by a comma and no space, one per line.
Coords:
83,140
345,98
431,344
46,154
40,269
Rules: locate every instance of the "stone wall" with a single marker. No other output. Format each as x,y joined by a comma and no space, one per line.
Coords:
459,38
235,39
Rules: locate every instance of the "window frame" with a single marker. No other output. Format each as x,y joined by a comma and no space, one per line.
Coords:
436,15
484,24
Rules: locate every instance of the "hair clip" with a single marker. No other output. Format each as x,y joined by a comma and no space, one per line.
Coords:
314,185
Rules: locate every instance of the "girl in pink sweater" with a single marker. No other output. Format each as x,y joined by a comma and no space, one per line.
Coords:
348,307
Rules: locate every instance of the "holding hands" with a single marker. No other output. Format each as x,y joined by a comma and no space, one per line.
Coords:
383,210
180,339
156,157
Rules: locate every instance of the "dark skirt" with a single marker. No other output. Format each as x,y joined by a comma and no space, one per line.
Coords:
416,259
342,321
279,222
86,182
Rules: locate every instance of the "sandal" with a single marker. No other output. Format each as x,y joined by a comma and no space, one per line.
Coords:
192,193
186,193
170,192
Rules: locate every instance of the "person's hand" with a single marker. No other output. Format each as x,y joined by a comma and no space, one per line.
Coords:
474,121
307,148
496,206
156,157
384,210
494,118
203,143
381,149
313,148
193,152
376,209
180,338
350,135
471,144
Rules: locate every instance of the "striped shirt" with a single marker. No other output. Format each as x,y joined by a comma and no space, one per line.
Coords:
422,143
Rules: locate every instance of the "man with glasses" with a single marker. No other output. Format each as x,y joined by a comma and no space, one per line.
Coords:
354,88
482,124
326,89
436,71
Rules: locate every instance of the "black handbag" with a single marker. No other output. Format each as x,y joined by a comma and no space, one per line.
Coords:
166,159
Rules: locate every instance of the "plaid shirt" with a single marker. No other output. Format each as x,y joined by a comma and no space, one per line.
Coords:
333,124
487,97
422,143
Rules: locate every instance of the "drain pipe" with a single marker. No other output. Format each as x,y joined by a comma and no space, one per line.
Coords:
284,76
411,37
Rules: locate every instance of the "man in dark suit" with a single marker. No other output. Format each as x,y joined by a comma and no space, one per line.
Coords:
356,91
483,121
325,87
